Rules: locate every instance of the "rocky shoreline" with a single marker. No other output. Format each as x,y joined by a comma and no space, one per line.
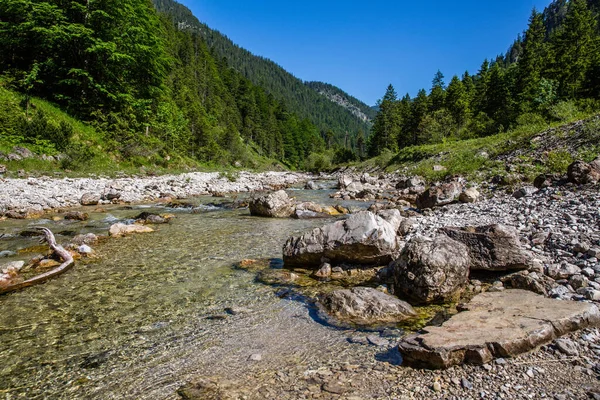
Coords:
557,224
20,198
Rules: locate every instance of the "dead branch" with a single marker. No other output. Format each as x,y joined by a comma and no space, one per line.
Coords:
68,262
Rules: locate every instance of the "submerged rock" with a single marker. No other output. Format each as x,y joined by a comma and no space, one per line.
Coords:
492,248
499,324
119,229
76,216
274,205
431,270
364,238
365,306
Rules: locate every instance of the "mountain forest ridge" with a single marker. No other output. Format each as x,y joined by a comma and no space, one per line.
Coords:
190,96
346,115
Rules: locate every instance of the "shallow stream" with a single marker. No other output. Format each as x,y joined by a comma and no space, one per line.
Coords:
148,314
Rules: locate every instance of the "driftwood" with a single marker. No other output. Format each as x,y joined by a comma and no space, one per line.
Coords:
67,258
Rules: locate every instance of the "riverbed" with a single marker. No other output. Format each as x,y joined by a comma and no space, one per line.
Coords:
147,314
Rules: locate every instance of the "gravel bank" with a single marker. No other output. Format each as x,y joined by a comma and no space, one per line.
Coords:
34,195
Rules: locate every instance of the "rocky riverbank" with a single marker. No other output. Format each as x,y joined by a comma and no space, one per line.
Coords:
32,196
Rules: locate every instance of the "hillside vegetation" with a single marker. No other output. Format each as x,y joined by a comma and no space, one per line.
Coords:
147,92
551,74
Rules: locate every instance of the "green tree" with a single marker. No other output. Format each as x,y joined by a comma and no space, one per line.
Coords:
457,101
533,60
575,47
384,134
438,94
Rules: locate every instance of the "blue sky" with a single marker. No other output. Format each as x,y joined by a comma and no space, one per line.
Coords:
363,46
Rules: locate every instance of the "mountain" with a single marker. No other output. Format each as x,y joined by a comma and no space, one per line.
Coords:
356,107
297,96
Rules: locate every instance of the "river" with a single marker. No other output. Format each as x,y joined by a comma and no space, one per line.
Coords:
146,316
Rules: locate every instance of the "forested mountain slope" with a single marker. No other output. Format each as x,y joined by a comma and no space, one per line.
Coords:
551,73
355,106
151,92
297,97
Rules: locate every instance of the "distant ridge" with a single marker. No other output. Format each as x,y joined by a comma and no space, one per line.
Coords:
330,109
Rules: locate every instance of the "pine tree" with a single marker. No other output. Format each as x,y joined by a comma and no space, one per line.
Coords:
420,108
386,125
575,46
533,60
457,101
437,94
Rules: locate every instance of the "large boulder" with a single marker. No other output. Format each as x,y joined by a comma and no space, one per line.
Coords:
365,306
439,195
273,205
497,324
492,247
364,238
582,173
431,270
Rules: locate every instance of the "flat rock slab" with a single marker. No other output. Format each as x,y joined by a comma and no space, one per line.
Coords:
499,324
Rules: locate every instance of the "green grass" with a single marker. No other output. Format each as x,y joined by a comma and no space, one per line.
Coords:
480,158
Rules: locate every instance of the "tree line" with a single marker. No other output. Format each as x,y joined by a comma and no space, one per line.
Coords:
553,66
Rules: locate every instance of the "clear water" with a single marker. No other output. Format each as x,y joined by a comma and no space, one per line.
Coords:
133,324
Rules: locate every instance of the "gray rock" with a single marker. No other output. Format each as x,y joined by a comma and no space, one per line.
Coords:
492,325
567,347
364,238
90,199
439,195
522,280
365,306
85,249
76,216
525,191
583,173
466,384
111,194
7,253
15,265
2,169
431,269
255,357
562,271
23,152
378,341
310,185
88,238
344,181
470,195
273,205
492,248
324,271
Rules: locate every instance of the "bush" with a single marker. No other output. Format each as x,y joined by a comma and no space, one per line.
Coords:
563,111
76,155
558,161
343,156
530,119
317,162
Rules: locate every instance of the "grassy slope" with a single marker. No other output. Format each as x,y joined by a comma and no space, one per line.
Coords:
104,160
526,151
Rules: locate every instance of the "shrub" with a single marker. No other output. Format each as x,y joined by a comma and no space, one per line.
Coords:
563,111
